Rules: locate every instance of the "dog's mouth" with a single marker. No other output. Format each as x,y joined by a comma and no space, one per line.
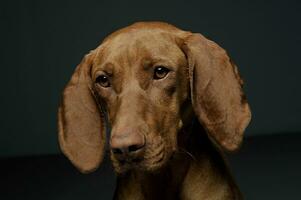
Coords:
139,164
149,162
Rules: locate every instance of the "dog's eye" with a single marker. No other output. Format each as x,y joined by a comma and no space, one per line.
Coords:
103,81
160,72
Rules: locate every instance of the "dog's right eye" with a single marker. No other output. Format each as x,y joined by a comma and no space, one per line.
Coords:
160,72
103,81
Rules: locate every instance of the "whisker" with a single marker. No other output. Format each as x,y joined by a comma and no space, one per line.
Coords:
181,150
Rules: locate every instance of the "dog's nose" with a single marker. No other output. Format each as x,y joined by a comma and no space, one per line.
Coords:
125,144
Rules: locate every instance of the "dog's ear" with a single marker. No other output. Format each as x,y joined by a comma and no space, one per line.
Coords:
80,122
216,92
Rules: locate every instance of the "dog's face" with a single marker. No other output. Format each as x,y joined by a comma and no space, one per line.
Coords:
141,79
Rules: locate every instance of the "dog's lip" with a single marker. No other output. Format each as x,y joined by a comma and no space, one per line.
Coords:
141,164
126,163
131,160
138,163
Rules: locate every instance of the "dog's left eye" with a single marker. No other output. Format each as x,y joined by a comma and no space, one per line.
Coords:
103,80
160,72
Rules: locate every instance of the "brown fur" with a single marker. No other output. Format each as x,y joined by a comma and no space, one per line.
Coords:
182,122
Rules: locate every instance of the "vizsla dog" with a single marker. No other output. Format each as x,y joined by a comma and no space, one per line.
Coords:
172,103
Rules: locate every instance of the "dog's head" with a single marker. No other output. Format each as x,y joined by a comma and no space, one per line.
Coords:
144,83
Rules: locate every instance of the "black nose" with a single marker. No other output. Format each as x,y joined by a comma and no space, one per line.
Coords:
127,144
126,150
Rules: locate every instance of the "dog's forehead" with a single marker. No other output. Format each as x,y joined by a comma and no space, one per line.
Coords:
131,48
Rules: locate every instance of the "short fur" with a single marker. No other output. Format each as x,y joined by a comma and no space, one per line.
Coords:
183,121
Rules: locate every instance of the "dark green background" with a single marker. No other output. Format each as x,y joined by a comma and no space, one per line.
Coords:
43,41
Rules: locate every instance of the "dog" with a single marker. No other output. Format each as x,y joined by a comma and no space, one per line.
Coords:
169,103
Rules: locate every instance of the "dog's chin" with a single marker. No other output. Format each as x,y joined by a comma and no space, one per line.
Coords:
146,165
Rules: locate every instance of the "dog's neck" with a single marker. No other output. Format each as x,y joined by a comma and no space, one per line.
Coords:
196,163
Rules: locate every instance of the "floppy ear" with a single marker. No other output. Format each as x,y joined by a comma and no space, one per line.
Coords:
216,92
81,129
